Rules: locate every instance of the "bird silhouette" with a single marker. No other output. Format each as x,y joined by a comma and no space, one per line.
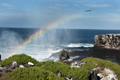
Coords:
88,10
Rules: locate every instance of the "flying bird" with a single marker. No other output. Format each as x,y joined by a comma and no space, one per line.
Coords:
88,10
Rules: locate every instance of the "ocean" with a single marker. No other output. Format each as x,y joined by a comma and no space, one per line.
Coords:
51,42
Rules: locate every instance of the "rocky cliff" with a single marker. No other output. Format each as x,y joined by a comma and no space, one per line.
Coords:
109,41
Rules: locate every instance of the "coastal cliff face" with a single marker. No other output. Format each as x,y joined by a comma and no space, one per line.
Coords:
109,41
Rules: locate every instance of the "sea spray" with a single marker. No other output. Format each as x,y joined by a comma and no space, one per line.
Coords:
8,40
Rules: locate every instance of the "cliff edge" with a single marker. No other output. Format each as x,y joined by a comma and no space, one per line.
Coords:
109,41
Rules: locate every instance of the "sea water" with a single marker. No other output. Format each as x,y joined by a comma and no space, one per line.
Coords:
51,42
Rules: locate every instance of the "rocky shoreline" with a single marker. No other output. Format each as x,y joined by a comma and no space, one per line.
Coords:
100,71
103,53
64,57
106,47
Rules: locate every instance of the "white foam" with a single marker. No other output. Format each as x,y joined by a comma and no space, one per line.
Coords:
38,52
74,57
80,45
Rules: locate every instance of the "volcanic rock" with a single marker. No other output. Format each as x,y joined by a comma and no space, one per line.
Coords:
59,74
107,74
1,69
14,65
64,55
77,64
109,41
57,60
0,58
93,74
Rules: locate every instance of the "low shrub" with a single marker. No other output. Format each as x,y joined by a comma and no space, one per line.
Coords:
92,62
55,67
65,70
78,73
47,70
20,59
32,73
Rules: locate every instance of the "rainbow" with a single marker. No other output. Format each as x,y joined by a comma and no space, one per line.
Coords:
41,32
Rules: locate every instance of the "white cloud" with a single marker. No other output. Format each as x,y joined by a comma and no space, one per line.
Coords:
5,5
97,5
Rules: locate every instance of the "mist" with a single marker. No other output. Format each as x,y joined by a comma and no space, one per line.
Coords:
8,41
42,46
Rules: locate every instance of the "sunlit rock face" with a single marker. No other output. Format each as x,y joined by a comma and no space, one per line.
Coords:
109,41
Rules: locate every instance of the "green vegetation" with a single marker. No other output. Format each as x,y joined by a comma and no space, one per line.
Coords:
32,73
20,59
92,62
47,70
65,70
55,67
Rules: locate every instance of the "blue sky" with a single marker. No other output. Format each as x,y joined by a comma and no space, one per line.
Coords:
39,13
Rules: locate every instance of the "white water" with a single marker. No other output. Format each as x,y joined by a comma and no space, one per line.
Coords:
9,40
40,52
80,45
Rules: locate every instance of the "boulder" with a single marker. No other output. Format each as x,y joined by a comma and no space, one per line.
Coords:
7,66
70,60
30,63
59,74
21,66
26,65
14,65
57,60
64,55
77,64
8,70
93,74
1,69
108,75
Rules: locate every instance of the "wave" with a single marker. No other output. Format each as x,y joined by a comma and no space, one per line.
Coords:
80,45
38,49
39,53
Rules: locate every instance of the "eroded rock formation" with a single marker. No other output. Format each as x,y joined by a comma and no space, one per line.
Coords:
109,41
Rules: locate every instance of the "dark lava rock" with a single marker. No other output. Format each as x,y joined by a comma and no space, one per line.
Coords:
27,65
0,58
7,66
93,74
1,69
64,55
8,70
59,74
